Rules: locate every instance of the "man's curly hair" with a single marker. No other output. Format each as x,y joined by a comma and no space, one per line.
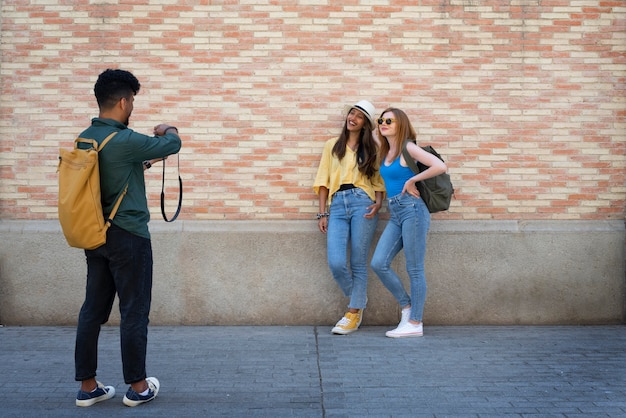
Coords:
112,85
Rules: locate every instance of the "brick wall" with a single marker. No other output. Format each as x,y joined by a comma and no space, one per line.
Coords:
524,98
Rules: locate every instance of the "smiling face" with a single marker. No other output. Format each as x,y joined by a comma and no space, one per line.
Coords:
388,126
356,120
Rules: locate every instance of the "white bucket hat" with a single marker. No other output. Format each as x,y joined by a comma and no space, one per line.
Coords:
368,109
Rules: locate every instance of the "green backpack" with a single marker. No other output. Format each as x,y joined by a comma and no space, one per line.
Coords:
436,191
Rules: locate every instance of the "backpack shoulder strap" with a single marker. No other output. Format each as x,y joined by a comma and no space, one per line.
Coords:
107,139
93,142
118,202
409,160
117,205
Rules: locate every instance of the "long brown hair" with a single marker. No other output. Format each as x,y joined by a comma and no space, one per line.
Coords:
366,153
404,131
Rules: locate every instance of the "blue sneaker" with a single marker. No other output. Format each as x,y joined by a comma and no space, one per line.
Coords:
132,398
101,393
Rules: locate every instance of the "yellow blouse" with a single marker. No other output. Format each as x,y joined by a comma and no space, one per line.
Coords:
332,173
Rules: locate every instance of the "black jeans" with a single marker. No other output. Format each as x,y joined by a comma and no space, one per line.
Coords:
124,266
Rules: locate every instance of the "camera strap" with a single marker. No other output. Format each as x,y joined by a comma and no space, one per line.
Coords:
180,194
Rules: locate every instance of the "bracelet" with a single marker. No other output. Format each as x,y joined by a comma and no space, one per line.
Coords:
171,127
147,164
323,215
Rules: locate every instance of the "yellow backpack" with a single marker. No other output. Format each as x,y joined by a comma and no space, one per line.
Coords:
80,205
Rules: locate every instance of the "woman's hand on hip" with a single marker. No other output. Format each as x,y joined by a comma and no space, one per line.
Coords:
410,187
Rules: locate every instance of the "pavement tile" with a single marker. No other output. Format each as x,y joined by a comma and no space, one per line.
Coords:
275,371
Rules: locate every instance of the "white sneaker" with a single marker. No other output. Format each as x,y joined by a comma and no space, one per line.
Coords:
133,398
406,314
99,394
406,330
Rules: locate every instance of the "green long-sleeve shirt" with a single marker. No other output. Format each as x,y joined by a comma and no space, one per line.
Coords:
121,161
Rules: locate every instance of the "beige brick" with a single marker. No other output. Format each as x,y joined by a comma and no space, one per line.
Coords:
257,88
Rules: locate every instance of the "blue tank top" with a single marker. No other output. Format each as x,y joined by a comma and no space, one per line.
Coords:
394,176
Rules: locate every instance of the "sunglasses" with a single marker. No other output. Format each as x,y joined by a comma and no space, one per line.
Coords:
387,121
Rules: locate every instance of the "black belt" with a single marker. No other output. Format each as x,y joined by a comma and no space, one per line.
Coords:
346,187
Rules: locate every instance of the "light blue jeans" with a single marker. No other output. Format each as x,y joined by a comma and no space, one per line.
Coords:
347,225
407,228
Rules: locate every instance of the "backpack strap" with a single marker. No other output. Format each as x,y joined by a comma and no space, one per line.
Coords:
118,202
409,160
107,139
93,142
116,206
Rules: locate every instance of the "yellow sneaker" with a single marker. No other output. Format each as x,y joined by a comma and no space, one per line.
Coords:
349,323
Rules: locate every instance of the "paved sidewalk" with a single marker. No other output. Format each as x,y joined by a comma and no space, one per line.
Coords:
307,372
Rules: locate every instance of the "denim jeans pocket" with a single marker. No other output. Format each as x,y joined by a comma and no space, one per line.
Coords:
405,201
360,193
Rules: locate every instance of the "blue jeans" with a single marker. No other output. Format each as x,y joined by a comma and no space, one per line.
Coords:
407,227
124,266
347,225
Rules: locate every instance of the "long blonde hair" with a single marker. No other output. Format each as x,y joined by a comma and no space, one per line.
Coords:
404,131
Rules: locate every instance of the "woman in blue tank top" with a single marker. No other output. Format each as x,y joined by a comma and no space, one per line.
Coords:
409,221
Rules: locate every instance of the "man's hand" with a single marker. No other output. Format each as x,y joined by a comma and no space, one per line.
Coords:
148,163
161,129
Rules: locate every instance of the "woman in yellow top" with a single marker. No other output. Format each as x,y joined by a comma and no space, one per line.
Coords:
348,180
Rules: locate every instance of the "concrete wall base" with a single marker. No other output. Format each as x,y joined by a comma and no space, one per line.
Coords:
275,273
